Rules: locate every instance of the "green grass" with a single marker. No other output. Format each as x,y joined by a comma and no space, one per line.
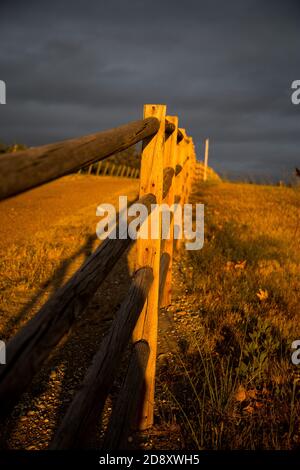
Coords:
237,388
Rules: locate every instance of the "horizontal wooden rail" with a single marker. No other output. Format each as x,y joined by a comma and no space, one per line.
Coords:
26,169
168,174
125,411
170,128
28,349
178,169
124,415
179,136
126,407
89,401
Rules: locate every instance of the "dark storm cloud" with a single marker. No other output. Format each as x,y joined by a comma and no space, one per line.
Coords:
225,68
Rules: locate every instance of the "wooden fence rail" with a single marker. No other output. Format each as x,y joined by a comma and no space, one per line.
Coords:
168,169
33,167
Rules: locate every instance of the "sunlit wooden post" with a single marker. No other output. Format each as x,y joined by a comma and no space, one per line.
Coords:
170,160
206,159
185,163
188,170
192,165
179,181
148,254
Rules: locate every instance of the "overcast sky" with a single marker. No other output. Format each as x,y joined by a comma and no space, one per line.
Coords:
224,67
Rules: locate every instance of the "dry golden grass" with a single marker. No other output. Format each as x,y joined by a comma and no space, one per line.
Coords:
237,387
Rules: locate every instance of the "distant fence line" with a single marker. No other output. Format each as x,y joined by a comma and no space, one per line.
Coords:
111,169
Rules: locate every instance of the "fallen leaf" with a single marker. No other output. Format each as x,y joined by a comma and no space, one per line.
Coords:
241,394
262,294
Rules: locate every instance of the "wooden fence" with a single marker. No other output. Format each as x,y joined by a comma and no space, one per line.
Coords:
111,169
168,168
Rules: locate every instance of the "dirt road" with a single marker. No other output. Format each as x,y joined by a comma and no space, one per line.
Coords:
41,208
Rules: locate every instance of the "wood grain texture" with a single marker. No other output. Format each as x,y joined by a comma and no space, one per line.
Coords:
179,180
148,254
170,159
29,168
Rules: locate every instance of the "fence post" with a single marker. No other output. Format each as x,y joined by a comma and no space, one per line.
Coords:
190,167
186,171
193,164
170,159
206,159
148,254
181,156
106,168
184,154
98,168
